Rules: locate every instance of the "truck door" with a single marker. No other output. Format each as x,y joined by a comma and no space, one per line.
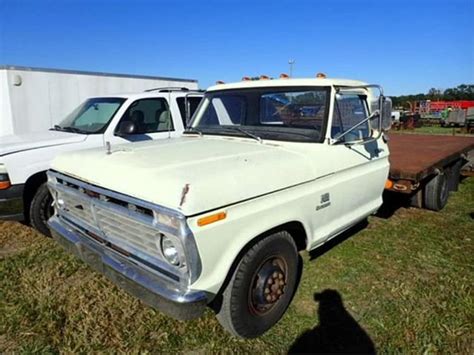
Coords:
151,118
359,163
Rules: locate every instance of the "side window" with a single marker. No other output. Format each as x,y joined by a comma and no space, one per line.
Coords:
350,109
193,103
149,116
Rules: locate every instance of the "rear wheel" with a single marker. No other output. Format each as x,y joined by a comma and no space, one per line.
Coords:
454,176
436,192
41,210
261,287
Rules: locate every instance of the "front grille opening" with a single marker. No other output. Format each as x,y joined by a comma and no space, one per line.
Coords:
105,197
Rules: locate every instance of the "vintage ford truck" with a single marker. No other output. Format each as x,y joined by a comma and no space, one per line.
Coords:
217,217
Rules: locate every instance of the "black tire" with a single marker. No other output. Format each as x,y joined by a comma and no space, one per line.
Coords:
436,192
41,209
454,176
245,310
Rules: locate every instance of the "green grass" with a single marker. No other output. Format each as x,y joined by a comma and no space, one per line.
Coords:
407,280
434,130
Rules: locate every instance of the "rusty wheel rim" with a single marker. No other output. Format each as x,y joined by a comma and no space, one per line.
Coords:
268,285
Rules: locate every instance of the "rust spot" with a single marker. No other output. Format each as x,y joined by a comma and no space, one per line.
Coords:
183,195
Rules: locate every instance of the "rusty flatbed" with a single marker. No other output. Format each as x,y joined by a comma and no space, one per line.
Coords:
414,156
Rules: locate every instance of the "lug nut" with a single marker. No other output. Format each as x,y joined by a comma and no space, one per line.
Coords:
279,292
267,291
268,298
280,276
270,281
275,275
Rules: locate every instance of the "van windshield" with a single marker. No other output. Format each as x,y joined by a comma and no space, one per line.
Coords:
278,113
92,116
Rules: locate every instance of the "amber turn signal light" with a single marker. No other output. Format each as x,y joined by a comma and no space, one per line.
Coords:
211,219
4,185
388,184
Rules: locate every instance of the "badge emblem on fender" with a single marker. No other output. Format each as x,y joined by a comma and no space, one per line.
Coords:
325,201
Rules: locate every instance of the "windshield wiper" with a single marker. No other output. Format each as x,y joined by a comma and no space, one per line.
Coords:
68,129
56,128
194,130
247,133
74,130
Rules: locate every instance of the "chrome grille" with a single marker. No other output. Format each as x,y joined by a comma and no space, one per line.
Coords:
78,208
108,218
119,228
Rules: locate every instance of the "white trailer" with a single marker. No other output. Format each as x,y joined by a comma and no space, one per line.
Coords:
35,99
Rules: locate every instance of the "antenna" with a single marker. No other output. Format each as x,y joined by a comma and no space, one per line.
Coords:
291,62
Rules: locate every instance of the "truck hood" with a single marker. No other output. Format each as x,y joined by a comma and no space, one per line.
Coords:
190,174
18,143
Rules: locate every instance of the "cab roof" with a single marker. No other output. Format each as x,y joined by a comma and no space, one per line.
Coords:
247,84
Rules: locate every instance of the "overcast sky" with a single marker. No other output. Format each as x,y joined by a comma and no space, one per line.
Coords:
407,46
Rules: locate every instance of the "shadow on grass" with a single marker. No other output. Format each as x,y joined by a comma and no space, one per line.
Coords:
337,331
392,202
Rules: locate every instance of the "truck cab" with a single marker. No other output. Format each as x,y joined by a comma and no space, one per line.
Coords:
104,121
217,217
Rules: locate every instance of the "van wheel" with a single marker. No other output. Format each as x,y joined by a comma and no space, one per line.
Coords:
261,287
41,210
436,192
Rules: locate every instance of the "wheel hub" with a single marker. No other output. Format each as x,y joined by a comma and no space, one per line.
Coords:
269,285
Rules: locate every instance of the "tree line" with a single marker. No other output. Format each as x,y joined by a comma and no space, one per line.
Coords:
461,92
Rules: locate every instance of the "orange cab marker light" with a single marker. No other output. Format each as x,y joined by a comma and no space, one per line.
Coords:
211,219
321,76
4,185
264,77
219,82
284,76
246,78
388,184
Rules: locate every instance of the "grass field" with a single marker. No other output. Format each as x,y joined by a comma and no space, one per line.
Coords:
434,130
405,283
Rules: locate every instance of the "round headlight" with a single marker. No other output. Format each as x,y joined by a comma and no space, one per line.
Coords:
169,250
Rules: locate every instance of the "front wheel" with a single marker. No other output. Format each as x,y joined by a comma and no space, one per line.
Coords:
41,209
261,287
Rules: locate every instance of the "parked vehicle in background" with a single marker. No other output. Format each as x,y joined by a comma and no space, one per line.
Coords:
455,118
267,168
396,117
105,121
35,99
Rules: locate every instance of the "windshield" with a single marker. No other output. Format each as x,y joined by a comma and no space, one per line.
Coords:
92,116
287,113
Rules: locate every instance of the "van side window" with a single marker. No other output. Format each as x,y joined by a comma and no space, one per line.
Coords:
149,116
350,109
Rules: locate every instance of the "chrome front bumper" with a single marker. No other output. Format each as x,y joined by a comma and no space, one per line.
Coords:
141,283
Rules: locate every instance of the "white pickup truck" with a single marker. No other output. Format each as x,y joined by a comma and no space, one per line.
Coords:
99,121
217,217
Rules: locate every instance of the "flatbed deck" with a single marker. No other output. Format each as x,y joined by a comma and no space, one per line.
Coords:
414,157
